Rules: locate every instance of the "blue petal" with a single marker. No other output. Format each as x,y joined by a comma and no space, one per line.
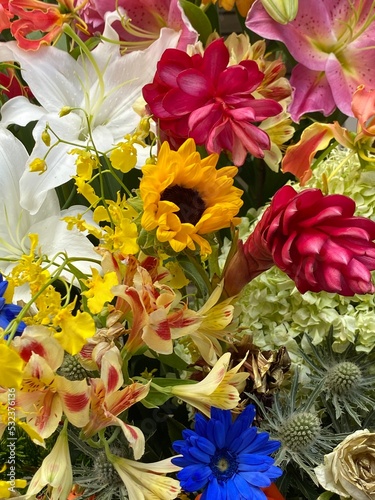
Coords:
205,445
219,433
241,486
200,455
194,477
242,422
200,425
254,459
274,472
243,441
256,479
261,444
213,491
224,416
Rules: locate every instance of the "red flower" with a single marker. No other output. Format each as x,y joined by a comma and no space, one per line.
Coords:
201,97
315,239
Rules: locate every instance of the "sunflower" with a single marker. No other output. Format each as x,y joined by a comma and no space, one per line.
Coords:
184,196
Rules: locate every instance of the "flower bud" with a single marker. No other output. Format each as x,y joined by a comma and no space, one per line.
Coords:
46,138
282,11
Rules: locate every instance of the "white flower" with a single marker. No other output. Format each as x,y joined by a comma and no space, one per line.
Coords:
101,86
146,481
55,471
16,223
349,469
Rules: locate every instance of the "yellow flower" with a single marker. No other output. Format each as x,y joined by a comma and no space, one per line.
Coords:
220,388
184,197
74,330
38,165
86,190
12,365
99,290
86,162
243,6
7,487
124,157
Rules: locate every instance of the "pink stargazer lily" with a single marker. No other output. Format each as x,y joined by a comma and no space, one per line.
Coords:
143,20
333,43
201,97
44,396
108,401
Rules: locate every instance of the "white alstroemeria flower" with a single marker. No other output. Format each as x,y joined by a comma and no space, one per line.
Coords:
101,85
16,223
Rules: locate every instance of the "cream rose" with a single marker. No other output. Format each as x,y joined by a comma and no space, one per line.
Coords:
349,470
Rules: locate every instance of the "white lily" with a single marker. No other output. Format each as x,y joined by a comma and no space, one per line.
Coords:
16,223
100,85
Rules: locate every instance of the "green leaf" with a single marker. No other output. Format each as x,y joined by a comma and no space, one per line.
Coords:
171,360
198,19
171,382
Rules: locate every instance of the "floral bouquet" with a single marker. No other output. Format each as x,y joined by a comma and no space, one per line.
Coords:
187,237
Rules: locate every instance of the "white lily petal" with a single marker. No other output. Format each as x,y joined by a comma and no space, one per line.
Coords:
20,111
51,74
17,223
104,88
60,165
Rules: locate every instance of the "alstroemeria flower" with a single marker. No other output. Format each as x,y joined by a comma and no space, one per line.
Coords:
108,401
202,98
333,44
44,396
220,388
101,88
142,21
16,223
55,472
315,239
147,481
158,318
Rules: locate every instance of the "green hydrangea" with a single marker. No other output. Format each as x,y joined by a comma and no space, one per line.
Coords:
275,313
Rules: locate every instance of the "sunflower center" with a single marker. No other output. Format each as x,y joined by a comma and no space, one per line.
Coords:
188,201
223,465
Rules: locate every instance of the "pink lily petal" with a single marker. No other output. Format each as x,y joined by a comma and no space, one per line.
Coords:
298,35
311,93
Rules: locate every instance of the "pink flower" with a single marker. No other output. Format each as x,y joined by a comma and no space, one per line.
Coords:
143,20
201,97
333,42
315,239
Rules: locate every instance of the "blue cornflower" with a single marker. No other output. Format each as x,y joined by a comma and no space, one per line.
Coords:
230,460
8,311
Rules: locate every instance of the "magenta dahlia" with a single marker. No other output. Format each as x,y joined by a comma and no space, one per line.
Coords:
204,98
315,239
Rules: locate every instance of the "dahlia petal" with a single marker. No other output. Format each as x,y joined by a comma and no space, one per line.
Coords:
232,80
194,83
262,109
178,103
172,62
215,60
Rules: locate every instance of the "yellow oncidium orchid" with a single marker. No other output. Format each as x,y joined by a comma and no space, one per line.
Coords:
99,290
